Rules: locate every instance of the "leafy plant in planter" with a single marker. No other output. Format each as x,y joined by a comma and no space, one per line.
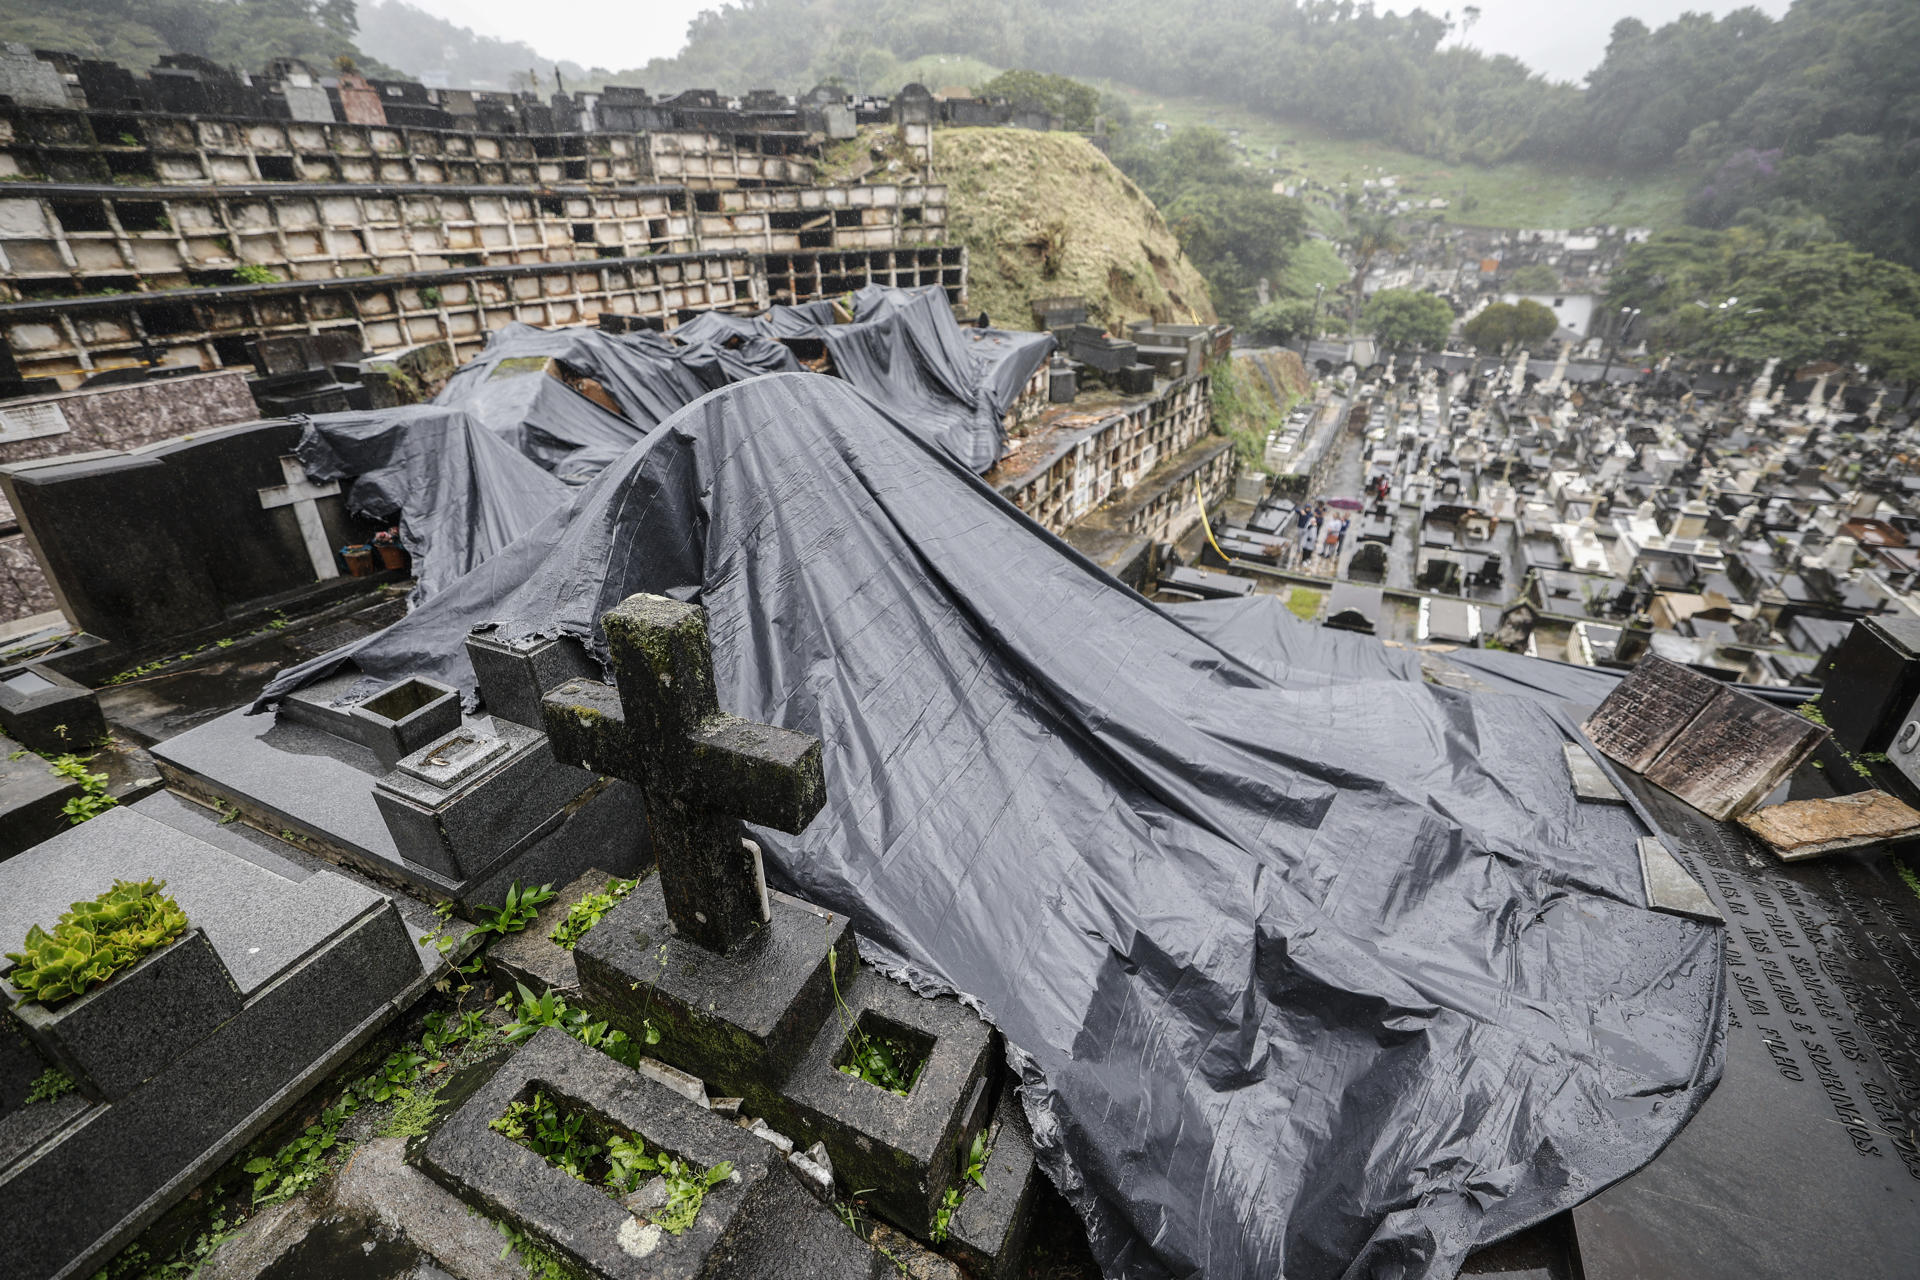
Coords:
92,941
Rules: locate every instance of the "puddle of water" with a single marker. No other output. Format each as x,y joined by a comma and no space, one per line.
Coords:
350,1245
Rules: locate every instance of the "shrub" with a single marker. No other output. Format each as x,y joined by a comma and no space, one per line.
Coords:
92,941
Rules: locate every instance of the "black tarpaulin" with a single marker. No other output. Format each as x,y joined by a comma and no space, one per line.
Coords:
906,351
458,490
1315,971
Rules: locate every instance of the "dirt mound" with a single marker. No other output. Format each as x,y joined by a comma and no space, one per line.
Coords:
1046,214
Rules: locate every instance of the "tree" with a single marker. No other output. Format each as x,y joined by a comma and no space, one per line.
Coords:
1533,323
1727,293
1284,321
1505,325
1409,318
1076,104
1534,277
1491,329
1369,235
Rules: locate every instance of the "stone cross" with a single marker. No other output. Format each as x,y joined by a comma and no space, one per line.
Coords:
303,496
701,770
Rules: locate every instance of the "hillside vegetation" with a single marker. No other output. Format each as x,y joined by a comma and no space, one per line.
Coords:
1045,214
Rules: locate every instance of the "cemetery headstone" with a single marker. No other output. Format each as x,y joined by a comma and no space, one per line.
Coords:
758,994
702,771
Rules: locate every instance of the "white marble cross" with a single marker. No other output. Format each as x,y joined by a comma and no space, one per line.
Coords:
301,493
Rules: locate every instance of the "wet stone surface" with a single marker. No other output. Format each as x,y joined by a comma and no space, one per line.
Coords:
1804,1160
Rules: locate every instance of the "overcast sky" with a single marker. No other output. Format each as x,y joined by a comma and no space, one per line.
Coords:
1562,38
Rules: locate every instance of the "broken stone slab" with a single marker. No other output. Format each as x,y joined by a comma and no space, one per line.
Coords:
738,1021
1590,781
988,1232
1647,711
1802,829
1719,750
1668,886
1733,753
531,957
759,1222
379,1219
906,1149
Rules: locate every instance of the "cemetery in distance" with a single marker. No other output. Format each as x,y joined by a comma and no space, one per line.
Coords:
608,723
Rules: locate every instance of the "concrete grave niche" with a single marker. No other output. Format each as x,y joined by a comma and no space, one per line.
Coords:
758,994
184,1057
398,782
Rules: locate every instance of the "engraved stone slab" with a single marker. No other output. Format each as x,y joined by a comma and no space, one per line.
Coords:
1733,753
1647,711
1669,887
1802,829
1590,781
1804,1161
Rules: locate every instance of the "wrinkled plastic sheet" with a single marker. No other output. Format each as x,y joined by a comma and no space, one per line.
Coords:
1309,968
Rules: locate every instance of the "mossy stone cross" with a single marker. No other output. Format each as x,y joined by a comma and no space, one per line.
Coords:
701,770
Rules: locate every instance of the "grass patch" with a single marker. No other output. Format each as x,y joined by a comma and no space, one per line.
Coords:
1505,195
1304,603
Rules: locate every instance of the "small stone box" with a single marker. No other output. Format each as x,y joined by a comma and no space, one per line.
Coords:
469,799
404,717
907,1149
45,711
121,1034
501,1178
515,675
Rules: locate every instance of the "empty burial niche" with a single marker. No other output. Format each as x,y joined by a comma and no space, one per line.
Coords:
141,215
275,168
884,1053
168,318
583,233
81,215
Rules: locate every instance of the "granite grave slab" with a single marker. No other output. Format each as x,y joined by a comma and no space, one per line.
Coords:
311,770
1804,1161
33,799
282,980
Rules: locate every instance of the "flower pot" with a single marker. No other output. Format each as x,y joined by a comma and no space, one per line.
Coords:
392,555
359,560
